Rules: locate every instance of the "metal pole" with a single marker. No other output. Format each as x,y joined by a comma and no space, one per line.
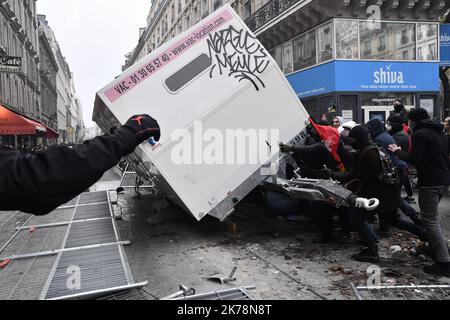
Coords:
86,295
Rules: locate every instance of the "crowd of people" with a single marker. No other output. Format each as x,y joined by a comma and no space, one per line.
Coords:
373,161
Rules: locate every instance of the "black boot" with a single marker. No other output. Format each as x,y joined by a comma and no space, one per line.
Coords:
369,254
439,269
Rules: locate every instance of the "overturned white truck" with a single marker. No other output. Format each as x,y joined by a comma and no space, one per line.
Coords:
223,105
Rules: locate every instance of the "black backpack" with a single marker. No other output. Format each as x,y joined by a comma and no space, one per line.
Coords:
389,173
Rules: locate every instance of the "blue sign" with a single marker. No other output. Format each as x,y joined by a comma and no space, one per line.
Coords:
363,76
366,76
314,81
444,39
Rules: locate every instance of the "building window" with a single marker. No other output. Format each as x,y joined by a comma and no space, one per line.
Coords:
247,10
427,38
305,51
389,42
217,4
277,55
325,43
347,39
287,58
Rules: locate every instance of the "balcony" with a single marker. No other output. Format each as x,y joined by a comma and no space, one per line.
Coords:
268,12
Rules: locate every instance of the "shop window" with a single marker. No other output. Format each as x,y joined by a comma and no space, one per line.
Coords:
305,54
386,99
346,39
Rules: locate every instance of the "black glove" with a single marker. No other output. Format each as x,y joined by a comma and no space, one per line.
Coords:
285,148
144,127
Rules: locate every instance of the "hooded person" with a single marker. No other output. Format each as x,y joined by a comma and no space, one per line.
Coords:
395,128
430,155
400,110
368,173
391,218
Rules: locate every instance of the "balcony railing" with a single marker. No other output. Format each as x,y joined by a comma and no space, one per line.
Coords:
268,12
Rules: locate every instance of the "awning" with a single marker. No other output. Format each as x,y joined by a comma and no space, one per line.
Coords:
14,124
51,134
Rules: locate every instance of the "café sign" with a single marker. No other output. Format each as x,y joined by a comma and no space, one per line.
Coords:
10,64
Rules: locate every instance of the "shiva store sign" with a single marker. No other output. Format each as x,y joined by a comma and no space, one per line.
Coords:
444,40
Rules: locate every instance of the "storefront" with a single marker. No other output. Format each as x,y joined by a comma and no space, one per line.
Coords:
361,66
362,90
21,132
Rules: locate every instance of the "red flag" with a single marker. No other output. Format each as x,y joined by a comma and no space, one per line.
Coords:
331,137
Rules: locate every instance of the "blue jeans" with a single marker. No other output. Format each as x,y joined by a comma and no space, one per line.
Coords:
358,219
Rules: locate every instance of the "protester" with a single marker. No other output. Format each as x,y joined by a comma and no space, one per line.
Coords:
369,174
395,129
39,183
430,155
320,152
391,218
400,111
338,122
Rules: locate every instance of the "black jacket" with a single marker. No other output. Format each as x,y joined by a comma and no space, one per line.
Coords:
369,169
429,154
402,140
384,140
39,183
312,159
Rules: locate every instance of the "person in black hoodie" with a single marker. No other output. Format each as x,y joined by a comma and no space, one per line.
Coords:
403,140
392,218
430,155
400,111
39,183
368,171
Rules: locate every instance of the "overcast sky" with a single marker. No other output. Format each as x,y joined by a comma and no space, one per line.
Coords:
94,36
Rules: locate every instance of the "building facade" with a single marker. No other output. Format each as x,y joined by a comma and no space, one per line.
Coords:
20,91
358,55
68,104
48,69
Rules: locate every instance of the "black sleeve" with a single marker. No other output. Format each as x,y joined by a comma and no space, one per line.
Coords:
417,151
39,183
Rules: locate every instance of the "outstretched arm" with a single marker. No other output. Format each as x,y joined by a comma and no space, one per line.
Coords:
39,183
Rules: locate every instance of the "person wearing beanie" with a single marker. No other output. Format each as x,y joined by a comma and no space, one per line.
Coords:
430,155
367,173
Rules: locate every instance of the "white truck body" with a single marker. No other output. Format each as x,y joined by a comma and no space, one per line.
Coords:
216,78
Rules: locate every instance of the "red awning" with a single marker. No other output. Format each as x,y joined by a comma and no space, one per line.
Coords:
51,134
14,124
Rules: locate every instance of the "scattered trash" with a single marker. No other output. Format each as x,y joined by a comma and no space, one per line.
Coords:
4,263
390,282
395,249
184,292
222,279
232,228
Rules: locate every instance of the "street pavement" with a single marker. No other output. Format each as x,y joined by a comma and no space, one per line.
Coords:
279,258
